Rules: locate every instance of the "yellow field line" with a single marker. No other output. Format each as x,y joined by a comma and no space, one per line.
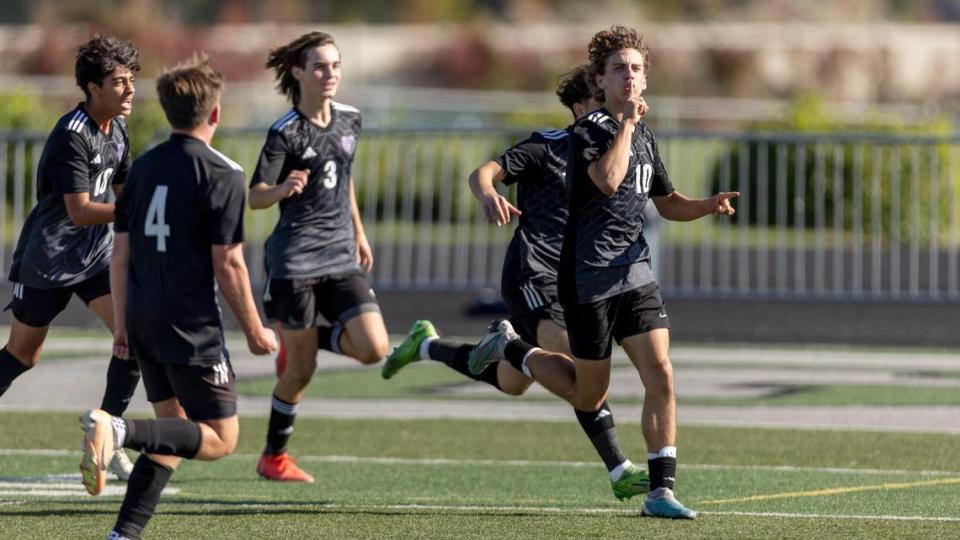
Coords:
838,491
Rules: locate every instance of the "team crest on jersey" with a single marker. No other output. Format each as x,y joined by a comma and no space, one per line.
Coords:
120,148
348,142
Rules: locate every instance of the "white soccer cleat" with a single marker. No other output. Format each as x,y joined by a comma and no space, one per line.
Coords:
491,346
120,464
97,428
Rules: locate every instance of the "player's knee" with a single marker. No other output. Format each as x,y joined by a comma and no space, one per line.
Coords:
373,350
658,379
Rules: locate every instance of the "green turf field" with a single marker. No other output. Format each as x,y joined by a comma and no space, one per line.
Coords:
471,479
434,381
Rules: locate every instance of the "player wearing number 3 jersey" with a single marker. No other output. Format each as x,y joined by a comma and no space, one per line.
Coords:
318,253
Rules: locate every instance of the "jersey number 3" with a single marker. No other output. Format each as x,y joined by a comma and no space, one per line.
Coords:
155,224
330,174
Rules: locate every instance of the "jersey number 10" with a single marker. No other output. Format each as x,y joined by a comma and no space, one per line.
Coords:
155,224
644,176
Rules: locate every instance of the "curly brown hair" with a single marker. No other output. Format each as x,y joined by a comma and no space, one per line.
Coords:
282,59
606,42
101,55
573,87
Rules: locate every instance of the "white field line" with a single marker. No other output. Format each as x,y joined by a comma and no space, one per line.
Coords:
554,510
58,485
515,463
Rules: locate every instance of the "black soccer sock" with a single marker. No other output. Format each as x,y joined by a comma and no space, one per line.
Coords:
122,379
663,472
600,429
328,338
164,436
10,369
282,416
456,356
516,351
143,493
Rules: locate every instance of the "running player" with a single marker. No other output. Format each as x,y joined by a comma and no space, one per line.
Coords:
318,253
179,230
66,241
529,287
607,288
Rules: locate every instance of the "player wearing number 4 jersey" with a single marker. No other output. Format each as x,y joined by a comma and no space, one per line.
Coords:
66,241
179,235
317,255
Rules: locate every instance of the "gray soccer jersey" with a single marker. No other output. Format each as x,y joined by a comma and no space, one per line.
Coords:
538,166
52,251
315,235
608,253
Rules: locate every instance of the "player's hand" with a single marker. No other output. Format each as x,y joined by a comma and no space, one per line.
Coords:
720,203
364,253
499,210
634,109
263,341
120,347
295,182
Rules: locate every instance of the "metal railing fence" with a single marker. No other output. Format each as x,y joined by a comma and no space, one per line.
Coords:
820,216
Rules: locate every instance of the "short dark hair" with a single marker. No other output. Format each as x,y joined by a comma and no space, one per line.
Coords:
606,42
100,56
282,59
189,91
573,87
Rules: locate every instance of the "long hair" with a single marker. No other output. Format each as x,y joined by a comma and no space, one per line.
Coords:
606,42
282,60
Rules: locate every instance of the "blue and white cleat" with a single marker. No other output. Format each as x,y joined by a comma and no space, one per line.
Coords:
661,503
491,346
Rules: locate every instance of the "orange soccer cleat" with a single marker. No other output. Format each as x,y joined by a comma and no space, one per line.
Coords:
282,468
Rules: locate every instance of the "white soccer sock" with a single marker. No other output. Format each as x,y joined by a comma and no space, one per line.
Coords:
425,347
618,471
523,364
666,451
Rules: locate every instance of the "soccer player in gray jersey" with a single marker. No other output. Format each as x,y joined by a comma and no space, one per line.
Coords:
66,241
318,255
179,229
537,165
606,285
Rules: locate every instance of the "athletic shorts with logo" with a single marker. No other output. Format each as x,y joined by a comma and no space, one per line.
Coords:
38,307
206,392
301,303
593,326
531,301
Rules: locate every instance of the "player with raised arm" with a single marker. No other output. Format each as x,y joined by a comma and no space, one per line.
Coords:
537,165
607,287
317,255
66,241
179,226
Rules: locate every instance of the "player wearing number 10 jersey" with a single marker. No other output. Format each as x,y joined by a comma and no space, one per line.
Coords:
317,254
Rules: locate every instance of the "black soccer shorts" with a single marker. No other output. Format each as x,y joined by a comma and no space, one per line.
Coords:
38,307
593,326
297,303
531,301
206,392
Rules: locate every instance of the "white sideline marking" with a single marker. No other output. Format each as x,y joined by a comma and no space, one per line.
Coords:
58,485
576,511
520,463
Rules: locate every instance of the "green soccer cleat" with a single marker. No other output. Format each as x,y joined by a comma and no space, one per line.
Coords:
662,504
491,347
633,481
409,349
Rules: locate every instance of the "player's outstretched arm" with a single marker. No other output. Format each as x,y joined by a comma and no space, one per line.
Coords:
119,263
265,196
677,207
495,206
83,211
231,272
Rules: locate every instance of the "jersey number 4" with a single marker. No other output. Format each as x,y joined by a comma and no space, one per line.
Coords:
155,224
